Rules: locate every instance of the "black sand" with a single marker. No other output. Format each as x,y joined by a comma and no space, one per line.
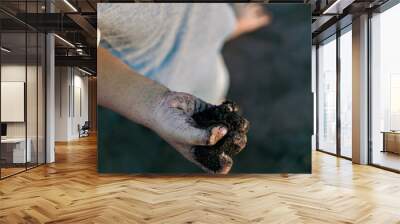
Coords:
227,114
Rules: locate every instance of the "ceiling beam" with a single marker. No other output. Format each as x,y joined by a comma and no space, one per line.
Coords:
81,61
337,6
86,26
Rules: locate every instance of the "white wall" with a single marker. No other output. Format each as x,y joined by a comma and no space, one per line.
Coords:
62,81
16,73
12,73
80,108
71,102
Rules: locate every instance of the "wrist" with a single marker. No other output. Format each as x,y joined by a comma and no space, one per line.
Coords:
155,112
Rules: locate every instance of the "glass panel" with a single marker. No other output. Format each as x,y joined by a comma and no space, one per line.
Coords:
346,94
327,96
386,89
13,89
31,88
314,84
22,89
31,100
41,98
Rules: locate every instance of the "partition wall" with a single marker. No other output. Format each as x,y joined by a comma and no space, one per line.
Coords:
22,77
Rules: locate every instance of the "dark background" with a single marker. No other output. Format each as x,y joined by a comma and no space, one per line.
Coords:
270,78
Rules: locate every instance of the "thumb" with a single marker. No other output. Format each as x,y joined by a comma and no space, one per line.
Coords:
208,136
186,132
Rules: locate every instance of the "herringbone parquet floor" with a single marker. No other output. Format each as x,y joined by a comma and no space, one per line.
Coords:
71,191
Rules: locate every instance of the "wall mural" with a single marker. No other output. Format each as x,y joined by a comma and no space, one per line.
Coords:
204,88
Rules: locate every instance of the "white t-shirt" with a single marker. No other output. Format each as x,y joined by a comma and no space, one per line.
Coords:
177,45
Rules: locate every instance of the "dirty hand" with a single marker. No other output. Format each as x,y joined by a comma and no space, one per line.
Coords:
172,120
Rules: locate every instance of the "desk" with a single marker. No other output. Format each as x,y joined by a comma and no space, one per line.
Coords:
391,141
13,150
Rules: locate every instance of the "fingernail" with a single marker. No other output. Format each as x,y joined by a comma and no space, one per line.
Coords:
223,130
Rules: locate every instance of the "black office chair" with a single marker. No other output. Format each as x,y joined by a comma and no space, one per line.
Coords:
84,130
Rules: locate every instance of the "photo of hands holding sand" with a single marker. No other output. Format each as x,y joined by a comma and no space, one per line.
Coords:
161,67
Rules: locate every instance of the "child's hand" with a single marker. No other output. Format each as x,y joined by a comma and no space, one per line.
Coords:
172,120
251,17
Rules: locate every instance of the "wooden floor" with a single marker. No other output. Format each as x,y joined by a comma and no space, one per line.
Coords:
71,191
10,171
387,159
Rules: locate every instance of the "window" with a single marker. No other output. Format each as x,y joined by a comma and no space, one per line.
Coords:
327,96
385,88
346,93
